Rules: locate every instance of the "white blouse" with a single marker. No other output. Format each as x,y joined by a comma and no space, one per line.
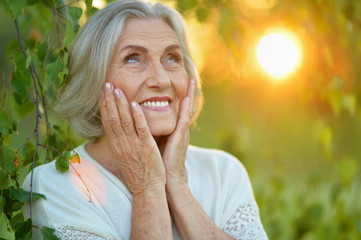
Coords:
216,179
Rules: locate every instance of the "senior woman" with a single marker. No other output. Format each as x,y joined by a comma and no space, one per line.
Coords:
132,91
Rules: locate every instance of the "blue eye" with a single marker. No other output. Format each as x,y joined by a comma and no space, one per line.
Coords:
132,60
171,60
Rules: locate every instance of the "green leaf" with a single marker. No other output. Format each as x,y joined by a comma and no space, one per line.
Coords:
16,7
48,233
8,155
2,200
62,164
4,178
28,153
24,109
18,218
6,139
41,50
50,91
23,196
75,14
53,69
186,4
5,122
72,156
21,99
23,230
20,81
10,167
202,14
69,34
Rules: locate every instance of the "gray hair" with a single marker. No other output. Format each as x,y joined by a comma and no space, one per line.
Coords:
90,57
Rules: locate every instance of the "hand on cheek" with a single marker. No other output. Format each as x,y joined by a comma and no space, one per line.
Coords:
176,147
138,159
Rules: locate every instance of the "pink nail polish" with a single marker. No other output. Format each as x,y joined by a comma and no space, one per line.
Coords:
117,92
134,105
108,87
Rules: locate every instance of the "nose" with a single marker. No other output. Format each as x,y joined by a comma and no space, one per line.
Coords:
158,77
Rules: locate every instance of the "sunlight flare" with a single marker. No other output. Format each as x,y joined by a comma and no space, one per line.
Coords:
279,54
99,4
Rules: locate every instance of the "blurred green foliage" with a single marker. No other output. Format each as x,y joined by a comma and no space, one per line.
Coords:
299,139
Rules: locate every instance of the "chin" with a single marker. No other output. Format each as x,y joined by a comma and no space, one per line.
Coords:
161,125
164,130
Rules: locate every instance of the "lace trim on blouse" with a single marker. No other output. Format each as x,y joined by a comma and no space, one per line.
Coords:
245,224
78,233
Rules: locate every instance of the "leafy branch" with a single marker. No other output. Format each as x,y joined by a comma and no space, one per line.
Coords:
36,102
32,71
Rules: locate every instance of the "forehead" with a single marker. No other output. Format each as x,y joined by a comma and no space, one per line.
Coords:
147,32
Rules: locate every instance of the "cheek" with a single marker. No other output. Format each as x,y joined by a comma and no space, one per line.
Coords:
181,86
125,81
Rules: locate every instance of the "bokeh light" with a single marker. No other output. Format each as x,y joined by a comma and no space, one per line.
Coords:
279,54
99,4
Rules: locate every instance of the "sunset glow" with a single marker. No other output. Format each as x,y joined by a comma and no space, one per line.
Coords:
278,54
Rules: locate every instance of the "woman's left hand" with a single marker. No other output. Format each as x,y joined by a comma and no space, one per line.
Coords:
175,150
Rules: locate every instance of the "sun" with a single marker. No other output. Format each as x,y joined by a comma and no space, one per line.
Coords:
279,54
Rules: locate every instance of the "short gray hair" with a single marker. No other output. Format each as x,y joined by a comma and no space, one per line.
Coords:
90,57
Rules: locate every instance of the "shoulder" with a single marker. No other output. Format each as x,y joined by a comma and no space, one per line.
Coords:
219,159
38,175
47,175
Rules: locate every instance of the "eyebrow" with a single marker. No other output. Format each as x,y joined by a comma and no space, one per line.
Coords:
136,47
172,47
144,50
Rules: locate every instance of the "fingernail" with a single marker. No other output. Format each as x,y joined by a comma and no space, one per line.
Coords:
134,105
117,92
193,83
108,87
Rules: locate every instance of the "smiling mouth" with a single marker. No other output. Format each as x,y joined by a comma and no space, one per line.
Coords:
155,103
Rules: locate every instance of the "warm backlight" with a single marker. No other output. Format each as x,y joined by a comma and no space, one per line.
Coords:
278,54
99,4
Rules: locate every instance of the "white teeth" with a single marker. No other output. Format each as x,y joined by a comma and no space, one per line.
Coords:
155,104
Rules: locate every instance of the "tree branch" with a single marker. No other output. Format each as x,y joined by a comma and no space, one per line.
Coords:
48,124
57,24
36,102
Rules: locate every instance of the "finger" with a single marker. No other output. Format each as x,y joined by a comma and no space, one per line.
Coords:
125,113
104,114
190,94
112,118
141,125
183,120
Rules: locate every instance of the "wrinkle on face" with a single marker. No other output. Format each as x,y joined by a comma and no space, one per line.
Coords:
148,62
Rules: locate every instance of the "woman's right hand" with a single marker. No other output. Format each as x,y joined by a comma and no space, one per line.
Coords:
134,149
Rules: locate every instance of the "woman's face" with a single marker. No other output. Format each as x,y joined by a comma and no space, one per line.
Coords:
147,65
